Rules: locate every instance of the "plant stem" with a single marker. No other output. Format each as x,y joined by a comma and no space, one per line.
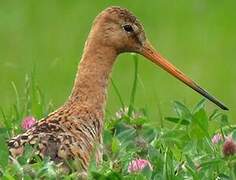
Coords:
134,87
117,93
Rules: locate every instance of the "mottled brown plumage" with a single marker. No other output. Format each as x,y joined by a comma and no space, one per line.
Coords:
74,131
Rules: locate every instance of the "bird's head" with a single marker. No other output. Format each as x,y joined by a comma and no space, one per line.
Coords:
119,29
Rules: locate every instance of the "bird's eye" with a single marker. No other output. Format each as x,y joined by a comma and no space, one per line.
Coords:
128,28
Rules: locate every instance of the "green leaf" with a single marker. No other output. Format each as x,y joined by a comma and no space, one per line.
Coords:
128,134
121,127
224,120
8,176
189,147
199,106
215,114
190,162
147,172
224,176
234,135
149,133
191,167
202,120
107,136
182,111
172,137
28,150
199,126
138,121
210,163
178,120
192,172
115,145
114,175
97,175
136,176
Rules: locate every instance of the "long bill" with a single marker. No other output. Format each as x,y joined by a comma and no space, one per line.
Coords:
149,52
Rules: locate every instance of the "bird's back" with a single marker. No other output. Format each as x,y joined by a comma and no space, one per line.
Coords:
69,133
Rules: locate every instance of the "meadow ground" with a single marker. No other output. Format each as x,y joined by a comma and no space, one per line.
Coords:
193,144
197,36
41,44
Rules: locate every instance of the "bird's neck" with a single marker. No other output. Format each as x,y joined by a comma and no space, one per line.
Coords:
91,81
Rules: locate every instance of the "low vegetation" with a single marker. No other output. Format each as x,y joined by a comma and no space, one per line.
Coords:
195,144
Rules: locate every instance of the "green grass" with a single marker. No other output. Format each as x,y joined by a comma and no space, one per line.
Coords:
179,149
197,36
47,38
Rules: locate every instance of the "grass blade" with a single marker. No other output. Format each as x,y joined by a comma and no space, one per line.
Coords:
134,87
117,93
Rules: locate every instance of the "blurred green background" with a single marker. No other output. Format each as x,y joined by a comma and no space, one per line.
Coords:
198,36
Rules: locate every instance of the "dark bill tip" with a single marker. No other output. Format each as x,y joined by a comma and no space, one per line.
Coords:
149,52
211,98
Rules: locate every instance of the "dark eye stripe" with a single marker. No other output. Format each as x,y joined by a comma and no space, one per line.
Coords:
128,28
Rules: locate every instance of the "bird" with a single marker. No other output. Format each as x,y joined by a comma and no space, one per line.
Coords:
74,131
